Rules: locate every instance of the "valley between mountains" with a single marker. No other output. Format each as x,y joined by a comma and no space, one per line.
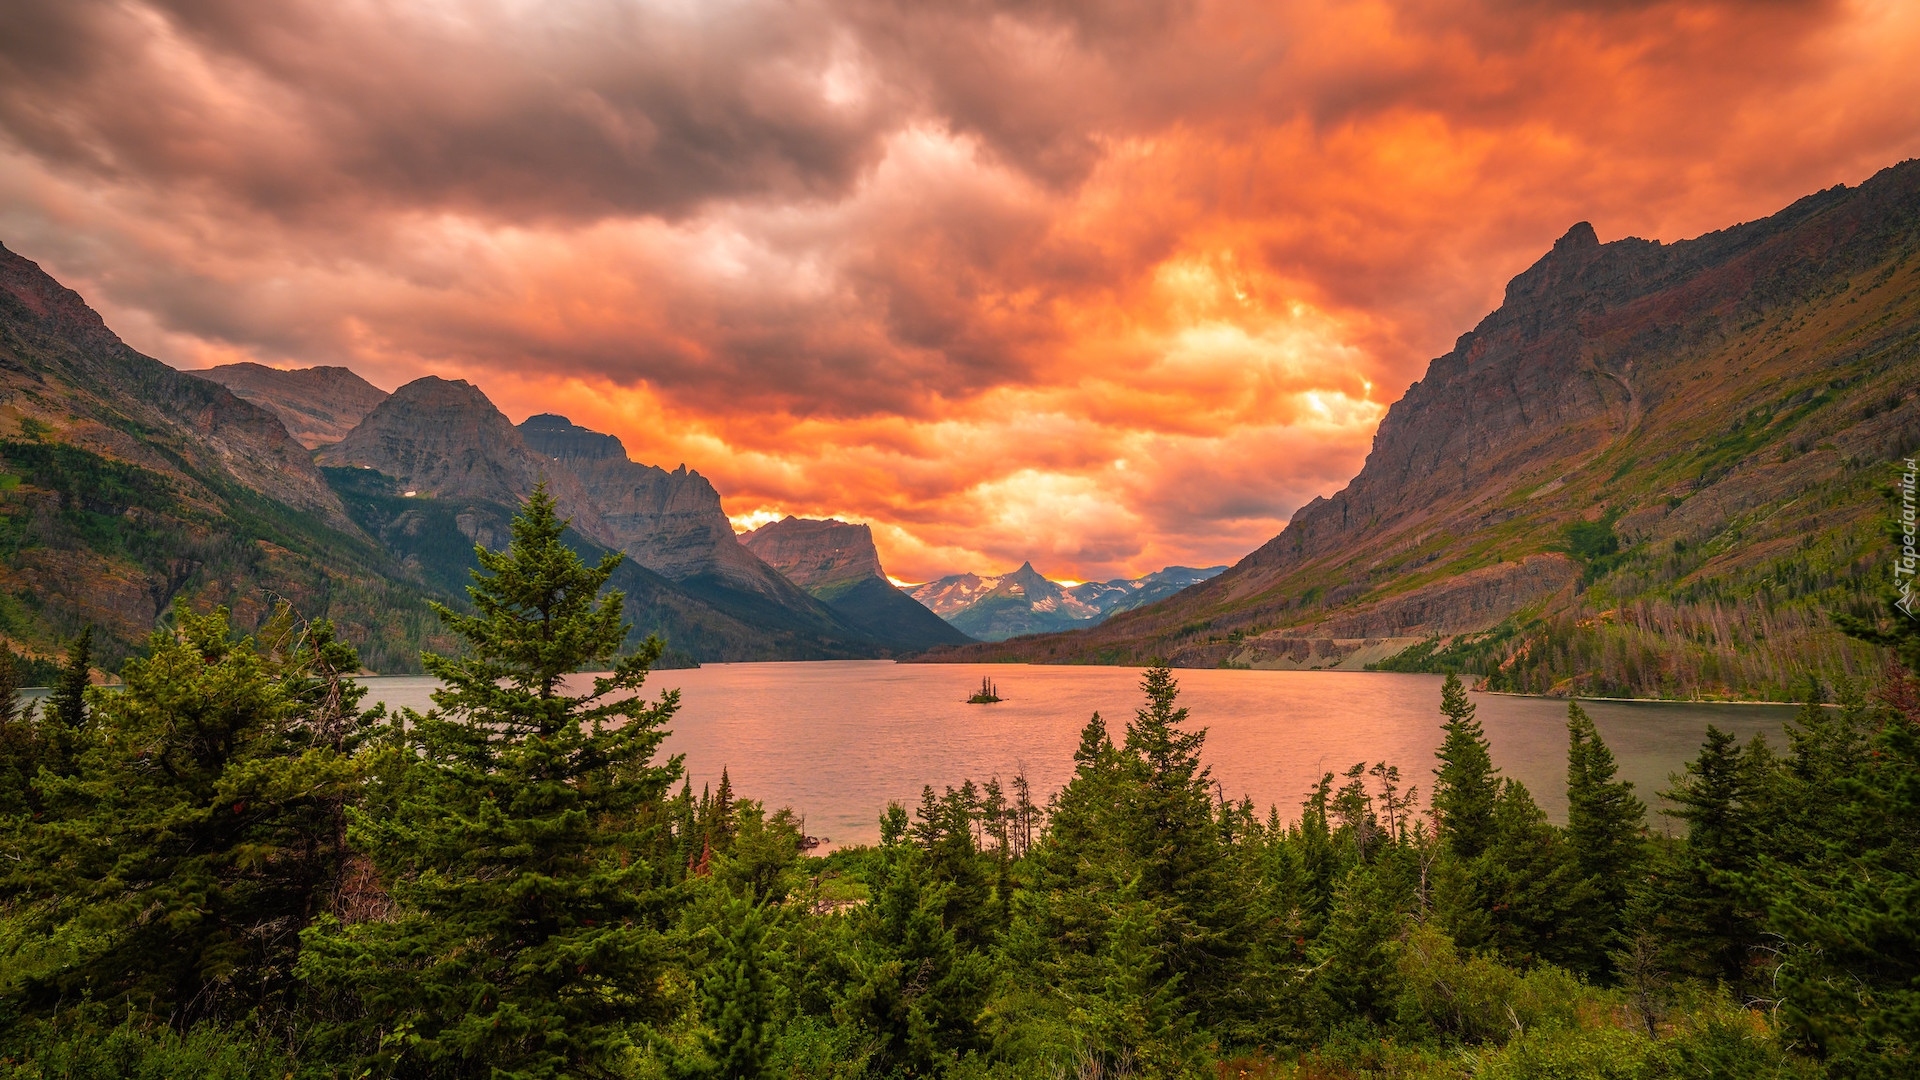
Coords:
1652,471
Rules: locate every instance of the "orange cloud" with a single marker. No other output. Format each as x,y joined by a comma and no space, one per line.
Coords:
1106,286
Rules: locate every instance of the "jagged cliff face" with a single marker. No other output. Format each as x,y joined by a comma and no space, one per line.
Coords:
669,522
1714,407
318,405
817,555
444,439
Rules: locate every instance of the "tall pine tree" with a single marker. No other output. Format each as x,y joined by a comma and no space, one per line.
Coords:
1695,912
1466,785
735,1040
519,827
1606,838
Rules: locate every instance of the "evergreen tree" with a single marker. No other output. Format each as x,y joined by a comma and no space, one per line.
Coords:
735,1038
1354,972
912,985
1167,825
1466,785
1076,858
1517,898
10,709
1696,914
1606,839
197,831
1850,916
67,705
519,829
1130,1013
64,717
1319,861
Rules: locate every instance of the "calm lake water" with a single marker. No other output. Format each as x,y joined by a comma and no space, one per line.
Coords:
835,740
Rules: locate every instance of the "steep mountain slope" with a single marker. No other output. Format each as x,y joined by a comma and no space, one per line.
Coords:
125,483
669,522
318,405
672,524
1024,602
836,562
444,439
1655,469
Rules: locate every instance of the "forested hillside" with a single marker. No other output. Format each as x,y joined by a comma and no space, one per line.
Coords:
224,868
125,485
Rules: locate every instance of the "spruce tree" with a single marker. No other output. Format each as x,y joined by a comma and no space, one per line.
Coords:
1606,838
518,828
1849,914
1166,822
1466,784
1354,974
912,986
1129,1012
1079,853
1700,923
64,716
735,1039
197,831
1519,896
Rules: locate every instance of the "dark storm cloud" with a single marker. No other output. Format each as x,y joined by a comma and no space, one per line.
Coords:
564,111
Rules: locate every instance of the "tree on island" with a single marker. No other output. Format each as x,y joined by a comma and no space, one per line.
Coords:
987,694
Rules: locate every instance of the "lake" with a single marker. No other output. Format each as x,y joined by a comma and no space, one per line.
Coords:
835,740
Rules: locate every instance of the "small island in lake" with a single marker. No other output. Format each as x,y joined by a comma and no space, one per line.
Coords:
987,694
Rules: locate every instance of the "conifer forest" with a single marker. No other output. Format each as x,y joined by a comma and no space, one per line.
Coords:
224,866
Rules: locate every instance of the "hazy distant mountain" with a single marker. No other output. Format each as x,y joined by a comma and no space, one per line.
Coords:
318,405
837,563
1654,469
1024,602
1125,594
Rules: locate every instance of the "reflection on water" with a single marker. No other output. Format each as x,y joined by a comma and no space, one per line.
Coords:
836,740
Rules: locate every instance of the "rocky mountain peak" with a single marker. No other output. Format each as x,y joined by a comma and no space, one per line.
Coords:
443,438
816,554
557,437
319,405
672,523
58,309
1578,238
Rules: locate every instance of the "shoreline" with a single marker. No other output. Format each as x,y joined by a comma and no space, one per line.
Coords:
1640,700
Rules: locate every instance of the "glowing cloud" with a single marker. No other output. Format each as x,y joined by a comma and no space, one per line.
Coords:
1104,286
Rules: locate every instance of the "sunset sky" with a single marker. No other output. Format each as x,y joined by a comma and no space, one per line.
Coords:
1107,285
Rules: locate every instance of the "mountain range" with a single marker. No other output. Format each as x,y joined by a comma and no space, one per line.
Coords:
1024,602
125,484
836,563
1656,469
